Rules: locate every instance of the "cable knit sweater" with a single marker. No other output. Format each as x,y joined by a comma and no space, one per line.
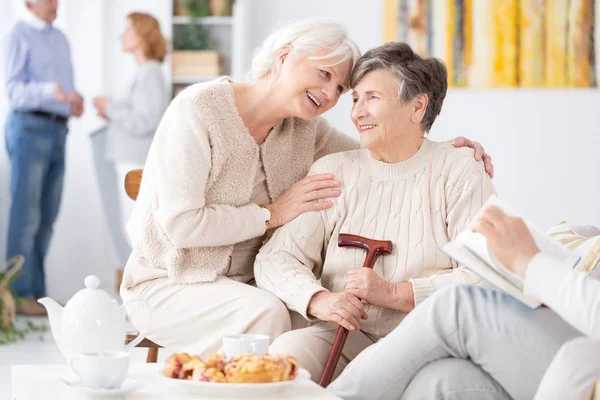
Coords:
193,204
418,204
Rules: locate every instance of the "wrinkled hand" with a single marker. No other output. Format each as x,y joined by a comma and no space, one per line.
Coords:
369,286
301,197
342,308
480,153
508,238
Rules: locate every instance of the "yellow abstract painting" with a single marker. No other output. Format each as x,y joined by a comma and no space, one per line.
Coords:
503,43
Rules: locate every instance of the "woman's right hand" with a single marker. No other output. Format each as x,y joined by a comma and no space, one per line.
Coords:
300,198
343,308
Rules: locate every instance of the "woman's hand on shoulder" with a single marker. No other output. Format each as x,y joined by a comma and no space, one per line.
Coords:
300,198
480,153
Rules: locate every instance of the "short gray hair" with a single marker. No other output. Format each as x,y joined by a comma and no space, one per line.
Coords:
306,36
415,75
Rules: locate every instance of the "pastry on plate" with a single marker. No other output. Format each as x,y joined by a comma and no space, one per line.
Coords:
174,363
243,368
216,361
252,368
208,375
189,367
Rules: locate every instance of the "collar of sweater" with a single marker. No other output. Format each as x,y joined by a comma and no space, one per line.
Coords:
383,170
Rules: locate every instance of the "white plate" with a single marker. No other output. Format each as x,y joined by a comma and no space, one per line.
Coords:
235,389
129,385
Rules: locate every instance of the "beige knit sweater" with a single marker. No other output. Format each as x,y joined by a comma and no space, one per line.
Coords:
193,204
418,204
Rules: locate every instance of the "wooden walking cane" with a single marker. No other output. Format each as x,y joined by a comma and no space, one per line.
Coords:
374,249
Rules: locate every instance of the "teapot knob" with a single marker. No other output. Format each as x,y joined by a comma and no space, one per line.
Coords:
92,282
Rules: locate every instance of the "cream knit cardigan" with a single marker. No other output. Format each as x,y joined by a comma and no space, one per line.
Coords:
193,204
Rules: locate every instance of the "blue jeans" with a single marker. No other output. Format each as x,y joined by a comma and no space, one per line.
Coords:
36,150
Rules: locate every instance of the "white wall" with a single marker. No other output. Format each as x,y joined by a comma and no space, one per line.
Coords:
545,143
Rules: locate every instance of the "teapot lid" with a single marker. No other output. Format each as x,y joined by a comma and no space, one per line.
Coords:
91,297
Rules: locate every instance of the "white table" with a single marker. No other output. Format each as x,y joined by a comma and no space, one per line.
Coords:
36,382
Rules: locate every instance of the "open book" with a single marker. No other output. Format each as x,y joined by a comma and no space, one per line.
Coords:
470,250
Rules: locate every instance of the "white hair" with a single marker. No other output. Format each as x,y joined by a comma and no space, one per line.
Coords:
306,36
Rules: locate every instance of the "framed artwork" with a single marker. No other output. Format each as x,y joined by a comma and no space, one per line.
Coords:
503,43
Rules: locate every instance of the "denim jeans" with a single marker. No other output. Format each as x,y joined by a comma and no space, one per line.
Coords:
36,150
464,342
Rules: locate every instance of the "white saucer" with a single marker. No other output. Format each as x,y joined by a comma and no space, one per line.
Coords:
128,386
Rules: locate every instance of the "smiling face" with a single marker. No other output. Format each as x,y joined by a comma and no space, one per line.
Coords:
377,113
311,87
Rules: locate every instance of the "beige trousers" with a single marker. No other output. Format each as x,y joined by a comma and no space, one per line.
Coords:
194,318
311,346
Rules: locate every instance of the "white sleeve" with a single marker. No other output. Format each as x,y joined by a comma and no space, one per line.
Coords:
572,294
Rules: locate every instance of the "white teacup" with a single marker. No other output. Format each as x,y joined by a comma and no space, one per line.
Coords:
102,369
245,343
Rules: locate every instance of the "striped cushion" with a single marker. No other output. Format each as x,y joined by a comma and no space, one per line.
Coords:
579,244
566,235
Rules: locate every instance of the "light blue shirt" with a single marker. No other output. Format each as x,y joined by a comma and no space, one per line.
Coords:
37,56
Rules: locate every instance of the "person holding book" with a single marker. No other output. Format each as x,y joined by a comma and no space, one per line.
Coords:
401,187
469,342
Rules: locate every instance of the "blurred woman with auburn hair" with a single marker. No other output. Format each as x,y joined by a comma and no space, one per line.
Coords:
123,144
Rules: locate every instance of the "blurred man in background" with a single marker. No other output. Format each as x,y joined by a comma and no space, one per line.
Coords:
39,85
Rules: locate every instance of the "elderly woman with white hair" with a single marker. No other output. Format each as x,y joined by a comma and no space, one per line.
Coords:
401,187
228,162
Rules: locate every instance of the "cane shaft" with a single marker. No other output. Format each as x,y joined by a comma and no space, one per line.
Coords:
334,356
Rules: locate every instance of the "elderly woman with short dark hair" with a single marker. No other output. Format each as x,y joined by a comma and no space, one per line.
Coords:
400,186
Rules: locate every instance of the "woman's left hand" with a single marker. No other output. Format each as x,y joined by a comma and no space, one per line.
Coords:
367,285
100,103
480,153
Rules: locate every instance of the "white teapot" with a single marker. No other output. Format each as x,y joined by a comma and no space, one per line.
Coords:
91,321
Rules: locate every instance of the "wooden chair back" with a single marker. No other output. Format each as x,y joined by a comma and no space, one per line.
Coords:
133,179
